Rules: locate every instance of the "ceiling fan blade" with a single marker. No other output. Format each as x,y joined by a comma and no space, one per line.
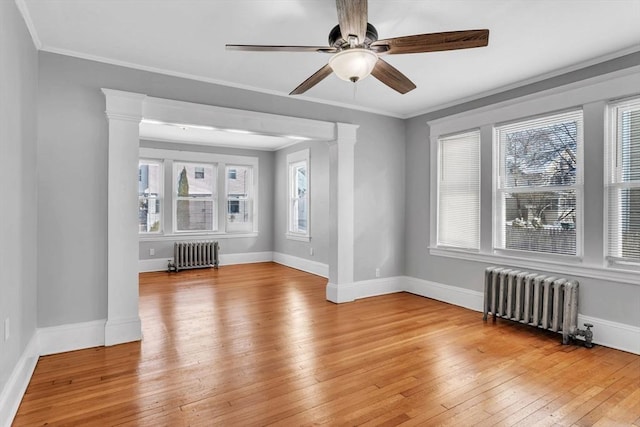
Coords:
352,17
273,48
433,42
393,78
316,78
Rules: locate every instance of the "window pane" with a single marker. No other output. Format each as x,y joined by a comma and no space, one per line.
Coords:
630,145
149,179
459,191
539,156
195,191
541,222
188,182
194,215
239,190
624,181
535,155
149,193
300,181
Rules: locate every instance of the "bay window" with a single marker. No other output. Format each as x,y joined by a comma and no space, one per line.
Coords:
206,193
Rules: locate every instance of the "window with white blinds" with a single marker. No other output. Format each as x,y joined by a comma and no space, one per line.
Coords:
458,221
539,186
623,181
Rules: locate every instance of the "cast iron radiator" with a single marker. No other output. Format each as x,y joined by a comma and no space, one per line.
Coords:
538,300
194,255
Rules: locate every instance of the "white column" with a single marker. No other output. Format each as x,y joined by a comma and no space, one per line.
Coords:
341,214
124,112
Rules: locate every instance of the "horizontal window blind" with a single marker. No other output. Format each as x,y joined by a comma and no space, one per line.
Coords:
623,186
538,194
458,220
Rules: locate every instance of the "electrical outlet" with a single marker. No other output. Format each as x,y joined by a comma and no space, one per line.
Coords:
152,251
310,251
377,272
7,329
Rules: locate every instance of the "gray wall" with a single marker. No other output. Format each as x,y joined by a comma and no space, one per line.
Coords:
72,166
608,300
264,240
319,203
18,211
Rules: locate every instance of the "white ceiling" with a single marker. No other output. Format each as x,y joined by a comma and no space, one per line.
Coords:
528,39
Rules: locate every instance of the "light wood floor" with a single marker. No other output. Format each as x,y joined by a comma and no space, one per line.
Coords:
258,344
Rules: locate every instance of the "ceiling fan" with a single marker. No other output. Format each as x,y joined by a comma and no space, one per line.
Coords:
357,51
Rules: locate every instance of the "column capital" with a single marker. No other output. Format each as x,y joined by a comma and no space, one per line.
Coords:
122,105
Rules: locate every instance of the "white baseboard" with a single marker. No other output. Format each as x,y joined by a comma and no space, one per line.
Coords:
75,336
612,334
313,267
155,264
120,331
246,258
160,264
12,392
450,294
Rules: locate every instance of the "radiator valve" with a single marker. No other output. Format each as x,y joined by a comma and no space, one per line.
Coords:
587,334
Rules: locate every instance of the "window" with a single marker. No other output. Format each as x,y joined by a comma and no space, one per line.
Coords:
199,173
149,196
623,181
201,195
539,187
239,198
195,203
458,220
298,191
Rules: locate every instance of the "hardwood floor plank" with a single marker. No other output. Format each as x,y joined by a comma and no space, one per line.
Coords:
258,344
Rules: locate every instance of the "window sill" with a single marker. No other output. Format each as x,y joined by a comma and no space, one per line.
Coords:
298,237
194,236
571,266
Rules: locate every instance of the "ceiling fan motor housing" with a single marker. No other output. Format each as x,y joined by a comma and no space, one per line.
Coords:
338,41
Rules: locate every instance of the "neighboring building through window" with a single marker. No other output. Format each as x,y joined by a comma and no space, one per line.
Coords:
458,220
623,181
149,196
239,198
298,195
538,194
195,203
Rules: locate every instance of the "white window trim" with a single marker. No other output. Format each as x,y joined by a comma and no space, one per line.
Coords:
293,158
596,90
220,160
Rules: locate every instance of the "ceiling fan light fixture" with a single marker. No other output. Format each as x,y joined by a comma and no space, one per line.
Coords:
353,64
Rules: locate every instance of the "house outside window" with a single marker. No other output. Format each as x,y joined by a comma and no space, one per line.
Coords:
538,192
623,182
199,173
239,198
195,200
149,196
298,195
458,220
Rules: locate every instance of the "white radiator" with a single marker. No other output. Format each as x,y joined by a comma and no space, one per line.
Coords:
194,255
539,300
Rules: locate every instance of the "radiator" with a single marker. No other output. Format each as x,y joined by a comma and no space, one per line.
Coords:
194,255
538,300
